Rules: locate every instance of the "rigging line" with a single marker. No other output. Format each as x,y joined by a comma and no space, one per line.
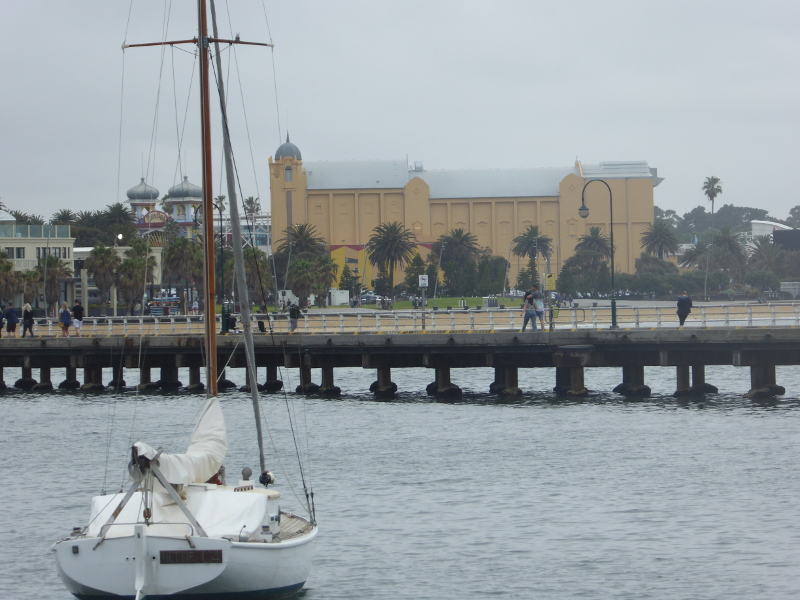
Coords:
151,156
274,75
250,226
179,167
175,105
246,124
110,423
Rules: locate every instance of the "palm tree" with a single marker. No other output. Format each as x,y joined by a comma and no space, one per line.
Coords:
301,278
302,239
10,280
26,219
712,187
531,243
136,270
57,271
695,255
659,238
258,275
63,217
131,281
117,214
765,255
390,244
595,244
729,252
251,206
102,264
177,262
326,272
31,284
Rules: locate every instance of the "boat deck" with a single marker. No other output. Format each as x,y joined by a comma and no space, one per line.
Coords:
293,526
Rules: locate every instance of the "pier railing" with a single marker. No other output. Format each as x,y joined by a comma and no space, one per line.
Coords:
330,321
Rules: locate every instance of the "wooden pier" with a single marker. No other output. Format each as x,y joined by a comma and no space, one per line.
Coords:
103,361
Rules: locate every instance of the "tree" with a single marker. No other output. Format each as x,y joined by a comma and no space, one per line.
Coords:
180,259
531,243
56,271
696,255
258,275
10,280
415,268
31,285
102,264
390,244
131,281
346,278
712,187
459,253
302,240
659,239
63,217
301,278
252,206
325,272
594,245
766,256
729,253
26,219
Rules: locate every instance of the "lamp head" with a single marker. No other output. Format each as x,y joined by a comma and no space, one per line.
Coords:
583,211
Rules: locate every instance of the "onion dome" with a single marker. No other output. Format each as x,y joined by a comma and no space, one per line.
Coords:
185,190
143,192
288,149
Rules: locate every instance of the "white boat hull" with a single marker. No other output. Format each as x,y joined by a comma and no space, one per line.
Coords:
215,568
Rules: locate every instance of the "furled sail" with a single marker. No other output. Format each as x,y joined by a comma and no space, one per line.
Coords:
207,449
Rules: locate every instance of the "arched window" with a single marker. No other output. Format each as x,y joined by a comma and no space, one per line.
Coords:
288,172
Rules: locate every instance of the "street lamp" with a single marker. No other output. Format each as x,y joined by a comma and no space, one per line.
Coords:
356,285
583,211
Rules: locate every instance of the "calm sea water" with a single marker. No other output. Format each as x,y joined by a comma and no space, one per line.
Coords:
535,498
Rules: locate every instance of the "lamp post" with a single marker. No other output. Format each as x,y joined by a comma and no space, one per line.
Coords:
583,211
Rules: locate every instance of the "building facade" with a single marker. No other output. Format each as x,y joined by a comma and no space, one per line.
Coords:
346,200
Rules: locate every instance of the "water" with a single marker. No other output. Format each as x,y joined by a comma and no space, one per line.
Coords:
533,498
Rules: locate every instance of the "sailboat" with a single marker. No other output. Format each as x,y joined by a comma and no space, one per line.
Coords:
178,531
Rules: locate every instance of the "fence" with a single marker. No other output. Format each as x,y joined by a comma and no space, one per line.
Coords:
722,315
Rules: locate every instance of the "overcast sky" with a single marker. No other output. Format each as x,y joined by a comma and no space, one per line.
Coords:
694,88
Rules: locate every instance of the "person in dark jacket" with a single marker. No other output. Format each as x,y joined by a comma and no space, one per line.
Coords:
27,320
684,307
12,318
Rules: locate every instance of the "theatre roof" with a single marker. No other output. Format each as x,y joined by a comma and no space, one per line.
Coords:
468,183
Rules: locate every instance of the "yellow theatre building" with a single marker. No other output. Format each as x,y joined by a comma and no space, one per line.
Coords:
346,200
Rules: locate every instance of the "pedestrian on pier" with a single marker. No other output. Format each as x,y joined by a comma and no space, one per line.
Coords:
65,319
77,317
294,314
12,318
684,307
529,308
27,320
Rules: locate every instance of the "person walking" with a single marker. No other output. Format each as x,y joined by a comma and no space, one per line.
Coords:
12,318
65,319
27,320
77,317
684,307
529,308
294,314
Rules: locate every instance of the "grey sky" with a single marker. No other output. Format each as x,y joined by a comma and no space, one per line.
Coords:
695,88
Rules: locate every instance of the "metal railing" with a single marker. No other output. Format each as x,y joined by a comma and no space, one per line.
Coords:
331,321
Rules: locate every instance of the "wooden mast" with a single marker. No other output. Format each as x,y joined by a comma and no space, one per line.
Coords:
210,321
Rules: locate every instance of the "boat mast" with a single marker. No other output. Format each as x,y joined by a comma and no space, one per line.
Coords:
210,322
238,255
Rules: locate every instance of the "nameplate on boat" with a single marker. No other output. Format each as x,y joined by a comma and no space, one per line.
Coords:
190,557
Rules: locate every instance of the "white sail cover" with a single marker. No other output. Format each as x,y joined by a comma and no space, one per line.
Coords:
207,449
